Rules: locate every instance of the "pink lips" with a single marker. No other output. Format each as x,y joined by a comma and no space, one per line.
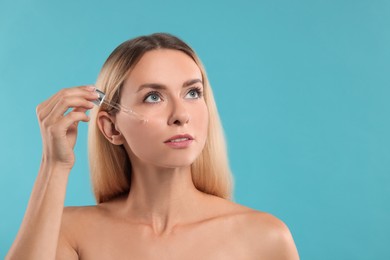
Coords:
179,141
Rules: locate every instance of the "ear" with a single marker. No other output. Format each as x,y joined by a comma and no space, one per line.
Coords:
108,128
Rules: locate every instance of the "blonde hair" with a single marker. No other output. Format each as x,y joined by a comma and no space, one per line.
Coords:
110,166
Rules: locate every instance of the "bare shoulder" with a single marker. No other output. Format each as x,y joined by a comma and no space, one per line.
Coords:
81,212
266,234
92,212
273,237
73,224
266,224
75,219
78,225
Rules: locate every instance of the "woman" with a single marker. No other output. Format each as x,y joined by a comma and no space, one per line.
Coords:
162,180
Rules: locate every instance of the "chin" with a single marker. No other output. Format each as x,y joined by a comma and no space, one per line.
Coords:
175,161
177,164
178,158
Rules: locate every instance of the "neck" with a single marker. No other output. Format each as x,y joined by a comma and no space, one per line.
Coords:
162,198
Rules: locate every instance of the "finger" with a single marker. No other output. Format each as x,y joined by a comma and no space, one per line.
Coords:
76,91
64,104
71,102
79,109
73,118
45,108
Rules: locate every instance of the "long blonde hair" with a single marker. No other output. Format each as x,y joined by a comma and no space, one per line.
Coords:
110,166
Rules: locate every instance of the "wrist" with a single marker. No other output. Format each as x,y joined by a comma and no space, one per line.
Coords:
50,166
49,163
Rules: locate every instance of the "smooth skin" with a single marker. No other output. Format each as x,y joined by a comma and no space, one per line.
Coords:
164,216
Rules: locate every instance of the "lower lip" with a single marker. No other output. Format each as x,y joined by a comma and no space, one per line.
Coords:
181,144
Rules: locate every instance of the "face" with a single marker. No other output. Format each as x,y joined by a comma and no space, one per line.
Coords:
166,88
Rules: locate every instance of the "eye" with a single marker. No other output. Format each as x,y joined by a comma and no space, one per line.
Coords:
194,93
152,97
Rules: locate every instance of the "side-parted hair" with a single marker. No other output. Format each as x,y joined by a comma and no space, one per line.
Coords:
110,166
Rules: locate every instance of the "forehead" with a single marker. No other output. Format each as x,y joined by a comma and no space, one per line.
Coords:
163,66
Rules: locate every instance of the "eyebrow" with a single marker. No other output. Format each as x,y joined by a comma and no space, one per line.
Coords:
161,86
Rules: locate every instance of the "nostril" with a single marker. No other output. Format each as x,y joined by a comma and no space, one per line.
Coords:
179,118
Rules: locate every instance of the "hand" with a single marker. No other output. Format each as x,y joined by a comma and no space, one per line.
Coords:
59,131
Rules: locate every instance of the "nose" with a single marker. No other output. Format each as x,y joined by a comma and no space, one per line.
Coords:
179,114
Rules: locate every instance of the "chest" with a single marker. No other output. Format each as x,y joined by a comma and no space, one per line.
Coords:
206,241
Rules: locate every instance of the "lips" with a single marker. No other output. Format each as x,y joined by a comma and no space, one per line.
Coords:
179,141
179,138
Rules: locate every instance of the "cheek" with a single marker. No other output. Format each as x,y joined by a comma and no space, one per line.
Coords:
141,134
200,122
146,140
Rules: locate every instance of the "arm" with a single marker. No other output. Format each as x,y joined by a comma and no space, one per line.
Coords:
284,246
39,232
279,241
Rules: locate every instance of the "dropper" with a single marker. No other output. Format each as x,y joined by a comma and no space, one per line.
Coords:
101,99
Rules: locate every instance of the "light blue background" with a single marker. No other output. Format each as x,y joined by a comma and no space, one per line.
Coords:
302,88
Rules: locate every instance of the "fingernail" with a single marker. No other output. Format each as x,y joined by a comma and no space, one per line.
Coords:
91,88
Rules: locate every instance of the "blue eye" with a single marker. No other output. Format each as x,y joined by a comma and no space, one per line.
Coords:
194,93
152,97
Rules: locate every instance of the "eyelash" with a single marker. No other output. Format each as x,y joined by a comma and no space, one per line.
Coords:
151,93
198,90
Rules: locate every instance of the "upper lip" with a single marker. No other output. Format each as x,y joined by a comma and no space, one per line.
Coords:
189,137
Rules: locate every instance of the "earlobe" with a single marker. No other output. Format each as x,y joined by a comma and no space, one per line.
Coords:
109,129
